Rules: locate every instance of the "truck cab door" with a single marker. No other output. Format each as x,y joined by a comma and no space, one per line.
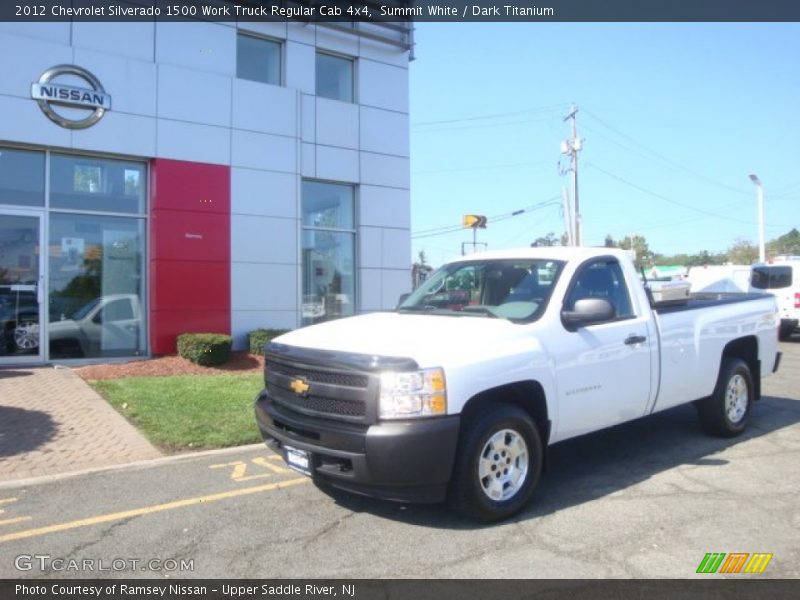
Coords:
603,368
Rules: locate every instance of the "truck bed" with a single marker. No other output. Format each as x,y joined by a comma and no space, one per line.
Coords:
704,300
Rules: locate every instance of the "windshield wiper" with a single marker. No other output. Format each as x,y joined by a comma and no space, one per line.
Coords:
426,308
479,310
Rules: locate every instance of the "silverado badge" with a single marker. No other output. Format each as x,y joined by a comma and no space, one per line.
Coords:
299,387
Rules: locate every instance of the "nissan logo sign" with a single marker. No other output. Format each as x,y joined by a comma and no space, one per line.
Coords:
49,93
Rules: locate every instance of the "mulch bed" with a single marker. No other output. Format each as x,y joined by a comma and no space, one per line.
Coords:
240,362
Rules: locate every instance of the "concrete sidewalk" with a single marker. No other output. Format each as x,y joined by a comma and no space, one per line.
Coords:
52,422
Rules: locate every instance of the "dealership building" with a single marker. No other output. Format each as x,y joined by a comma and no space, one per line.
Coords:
162,178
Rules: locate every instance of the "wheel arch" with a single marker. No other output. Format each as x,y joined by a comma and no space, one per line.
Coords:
746,349
528,395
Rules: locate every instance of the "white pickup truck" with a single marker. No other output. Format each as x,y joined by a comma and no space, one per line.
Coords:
457,393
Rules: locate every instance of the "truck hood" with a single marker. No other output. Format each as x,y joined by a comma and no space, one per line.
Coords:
428,339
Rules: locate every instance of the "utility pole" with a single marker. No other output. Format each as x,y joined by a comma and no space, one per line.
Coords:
571,147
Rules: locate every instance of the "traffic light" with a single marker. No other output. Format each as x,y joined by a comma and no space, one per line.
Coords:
474,221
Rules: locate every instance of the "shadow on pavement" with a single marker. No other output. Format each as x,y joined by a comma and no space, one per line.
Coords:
601,463
24,430
9,373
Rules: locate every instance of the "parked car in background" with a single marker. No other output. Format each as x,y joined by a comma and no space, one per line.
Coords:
781,277
19,318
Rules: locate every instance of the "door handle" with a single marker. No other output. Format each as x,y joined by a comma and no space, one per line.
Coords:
635,339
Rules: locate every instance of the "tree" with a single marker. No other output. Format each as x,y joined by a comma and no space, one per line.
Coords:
548,240
420,270
609,243
789,243
639,245
742,252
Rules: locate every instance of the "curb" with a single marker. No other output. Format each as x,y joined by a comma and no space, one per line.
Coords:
139,464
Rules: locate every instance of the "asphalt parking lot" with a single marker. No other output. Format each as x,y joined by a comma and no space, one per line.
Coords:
645,499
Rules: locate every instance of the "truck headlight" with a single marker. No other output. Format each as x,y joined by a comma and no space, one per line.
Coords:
409,394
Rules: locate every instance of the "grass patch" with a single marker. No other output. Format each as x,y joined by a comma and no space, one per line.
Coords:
188,412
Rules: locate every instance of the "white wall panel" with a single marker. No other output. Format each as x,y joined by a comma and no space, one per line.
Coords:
382,86
29,125
382,206
196,96
203,46
131,83
267,29
379,169
24,61
119,133
265,108
126,38
264,193
308,118
189,141
257,286
380,52
371,293
308,160
384,131
337,164
302,32
370,247
263,239
54,33
396,253
338,42
394,283
300,62
337,123
263,151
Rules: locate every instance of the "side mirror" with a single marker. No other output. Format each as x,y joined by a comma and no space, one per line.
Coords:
403,298
588,311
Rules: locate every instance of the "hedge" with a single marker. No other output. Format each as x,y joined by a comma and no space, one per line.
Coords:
256,340
205,348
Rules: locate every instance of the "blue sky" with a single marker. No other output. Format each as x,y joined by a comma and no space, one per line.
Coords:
674,117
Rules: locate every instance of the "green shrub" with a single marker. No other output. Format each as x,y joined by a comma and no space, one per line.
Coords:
258,338
205,348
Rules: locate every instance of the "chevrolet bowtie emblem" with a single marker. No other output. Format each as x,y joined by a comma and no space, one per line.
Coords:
299,387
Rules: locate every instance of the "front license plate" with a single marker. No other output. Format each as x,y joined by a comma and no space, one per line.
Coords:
299,460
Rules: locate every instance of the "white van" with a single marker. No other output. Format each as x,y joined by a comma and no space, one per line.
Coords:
718,279
781,277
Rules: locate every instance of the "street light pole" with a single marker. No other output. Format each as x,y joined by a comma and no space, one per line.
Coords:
762,254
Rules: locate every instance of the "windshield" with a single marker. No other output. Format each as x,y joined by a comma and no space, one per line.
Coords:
517,290
85,309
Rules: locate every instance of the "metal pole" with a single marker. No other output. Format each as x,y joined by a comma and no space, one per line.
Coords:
762,250
578,239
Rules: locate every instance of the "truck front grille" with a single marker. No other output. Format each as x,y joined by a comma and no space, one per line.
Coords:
330,393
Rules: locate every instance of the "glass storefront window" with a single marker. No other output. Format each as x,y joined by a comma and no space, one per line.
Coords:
96,276
258,59
328,251
97,184
21,177
334,76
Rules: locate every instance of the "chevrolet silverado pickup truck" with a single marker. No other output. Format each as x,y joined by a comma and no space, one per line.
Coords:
457,393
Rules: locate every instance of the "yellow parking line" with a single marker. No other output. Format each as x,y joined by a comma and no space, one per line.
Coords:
146,510
7,500
14,520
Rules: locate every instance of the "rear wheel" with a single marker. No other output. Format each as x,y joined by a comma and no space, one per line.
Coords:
727,411
498,464
26,336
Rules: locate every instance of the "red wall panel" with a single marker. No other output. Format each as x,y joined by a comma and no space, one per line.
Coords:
189,251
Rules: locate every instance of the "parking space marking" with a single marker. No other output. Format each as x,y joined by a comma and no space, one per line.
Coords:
146,510
7,500
239,469
14,520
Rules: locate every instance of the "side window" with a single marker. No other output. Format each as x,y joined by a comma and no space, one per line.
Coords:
118,310
602,279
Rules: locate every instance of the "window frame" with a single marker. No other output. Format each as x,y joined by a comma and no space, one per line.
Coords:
580,271
263,38
343,57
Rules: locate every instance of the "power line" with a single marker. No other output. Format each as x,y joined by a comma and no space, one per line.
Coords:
529,111
493,219
666,159
483,168
665,198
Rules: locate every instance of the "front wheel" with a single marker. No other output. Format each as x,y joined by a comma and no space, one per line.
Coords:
26,336
498,464
727,411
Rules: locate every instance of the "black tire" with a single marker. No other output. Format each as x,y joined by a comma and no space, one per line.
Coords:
723,416
466,495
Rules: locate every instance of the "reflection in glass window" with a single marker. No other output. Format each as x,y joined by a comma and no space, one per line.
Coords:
328,251
21,177
334,77
258,59
96,284
87,183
